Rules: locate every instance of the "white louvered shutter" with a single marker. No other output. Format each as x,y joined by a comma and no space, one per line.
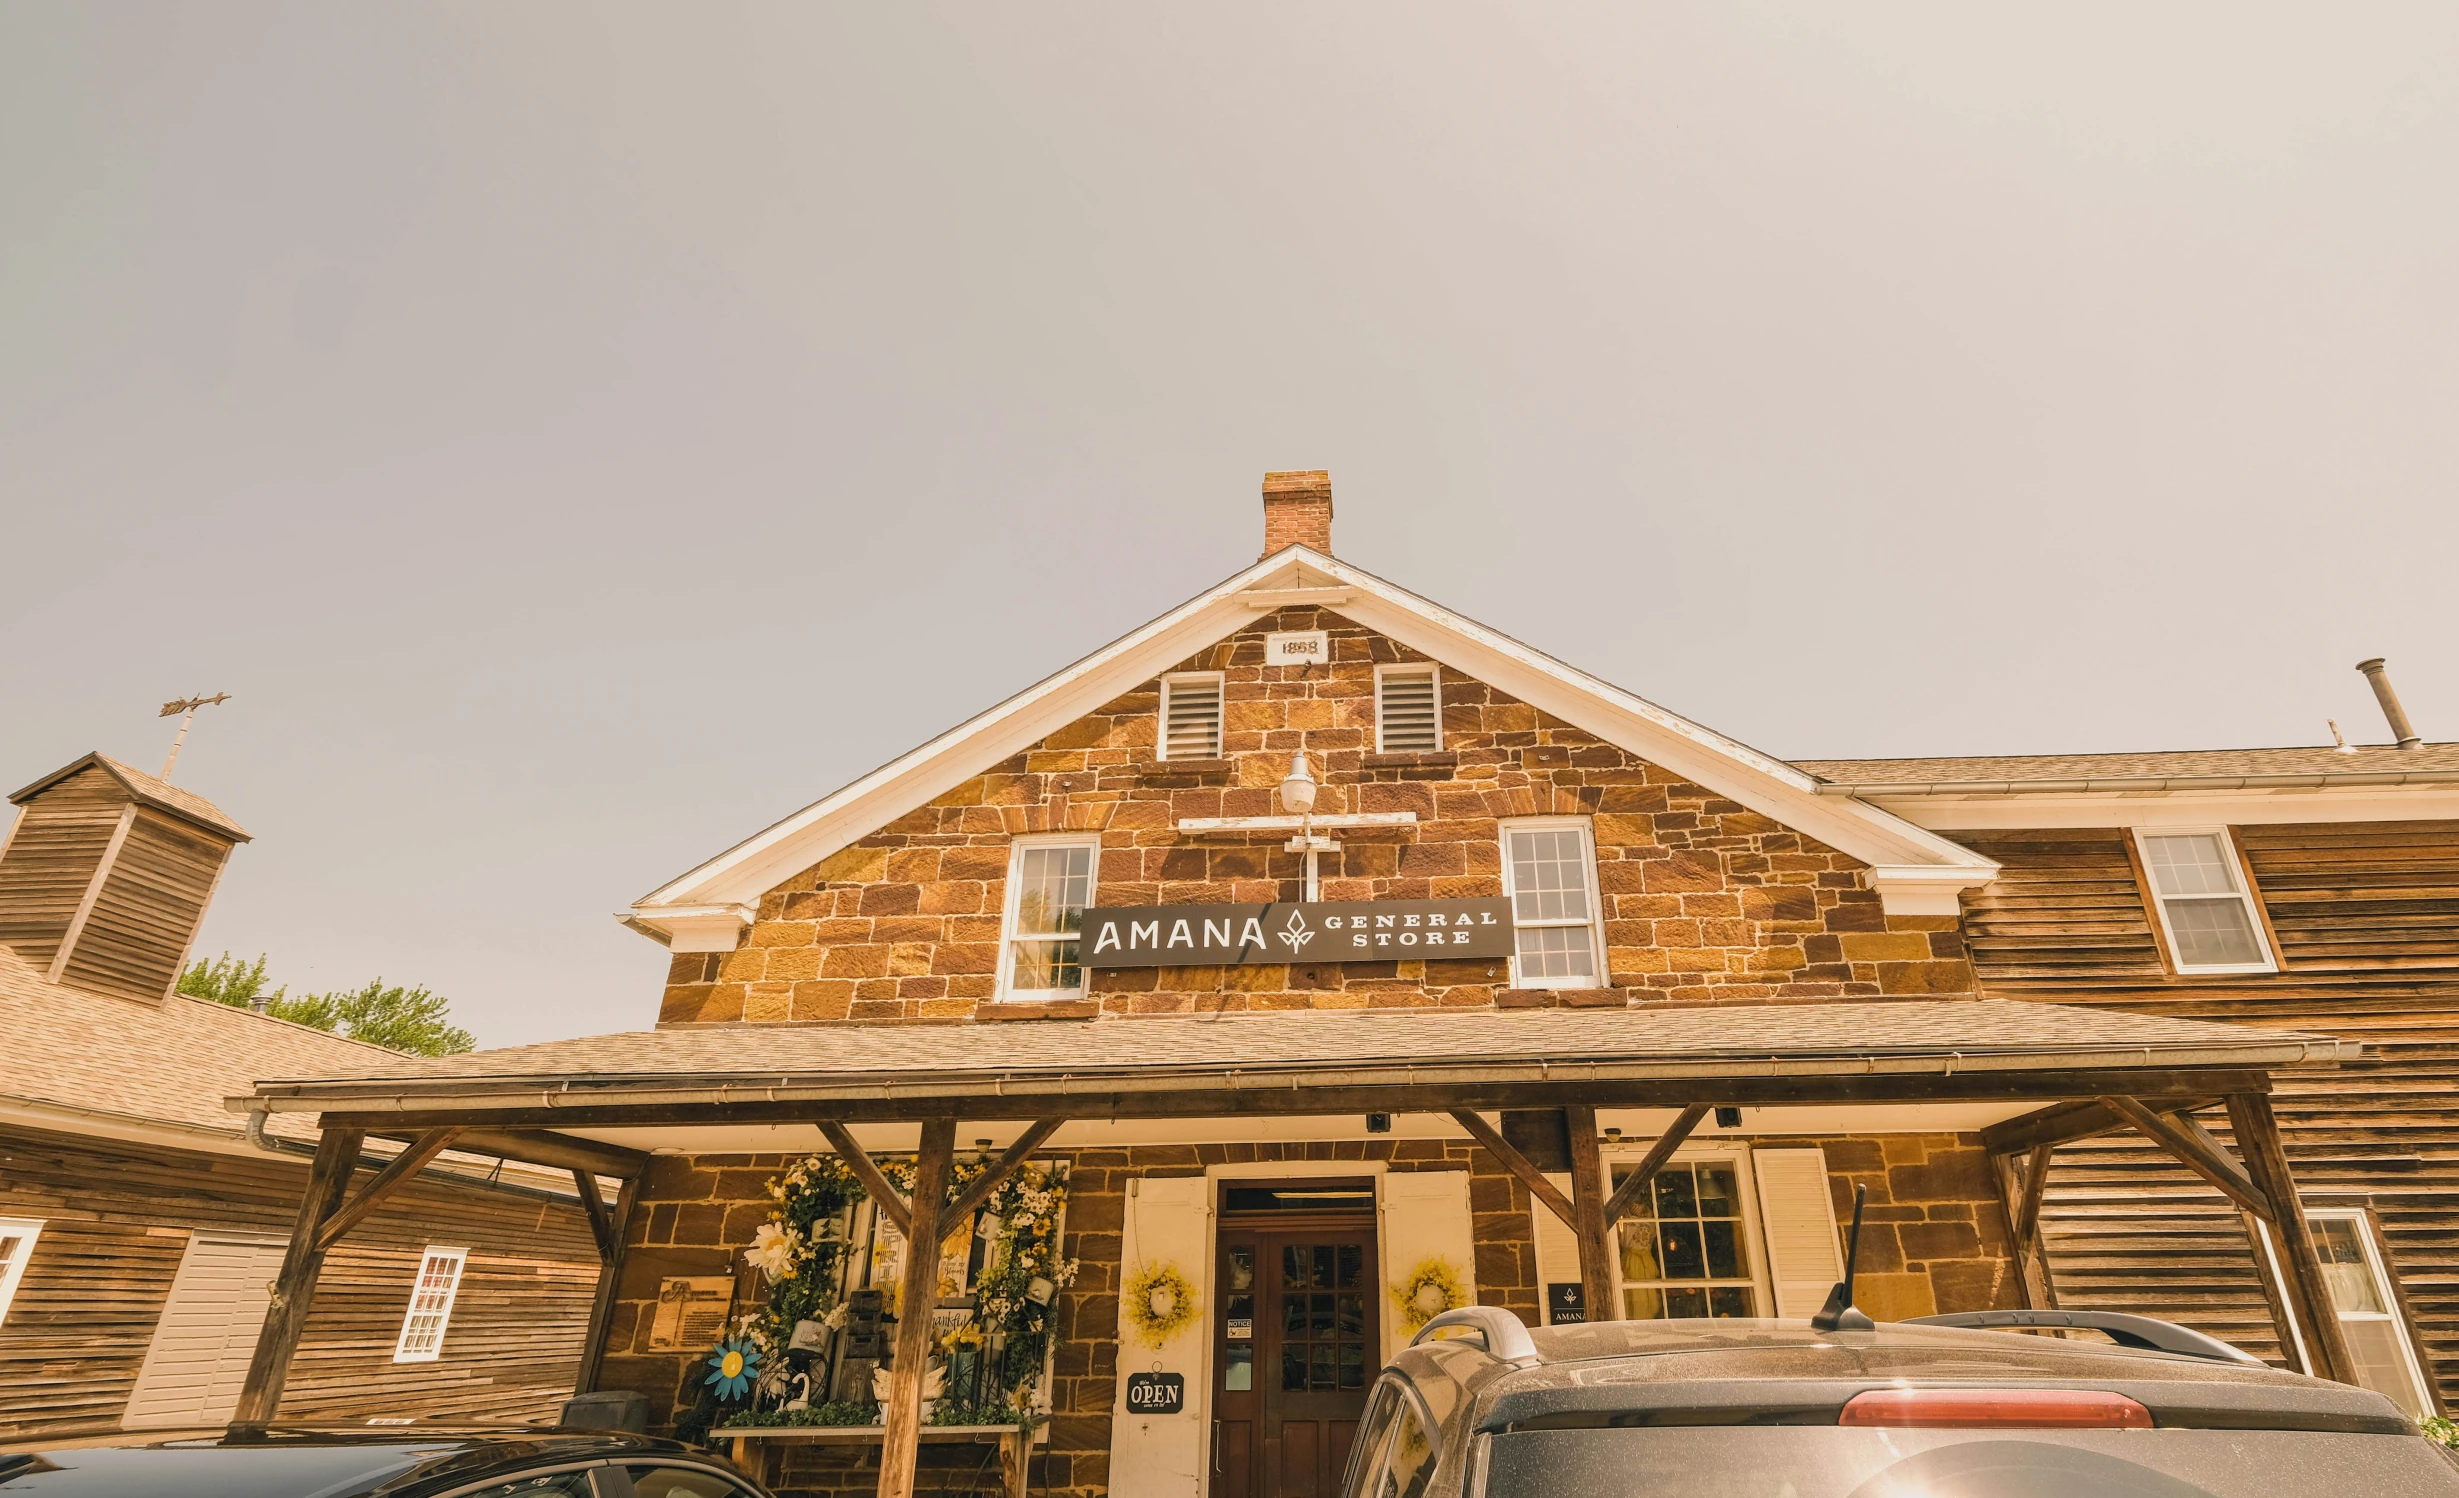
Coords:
1169,1222
1558,1251
1191,717
207,1335
1805,1257
1408,711
1425,1216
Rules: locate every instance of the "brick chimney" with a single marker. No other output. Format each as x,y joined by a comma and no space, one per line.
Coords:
1298,510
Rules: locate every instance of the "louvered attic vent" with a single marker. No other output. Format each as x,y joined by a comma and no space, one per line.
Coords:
1408,710
1191,717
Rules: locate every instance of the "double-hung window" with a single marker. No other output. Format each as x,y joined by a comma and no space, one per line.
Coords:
1050,882
431,1305
1191,715
1685,1249
2368,1306
1408,709
2206,908
1550,876
17,1235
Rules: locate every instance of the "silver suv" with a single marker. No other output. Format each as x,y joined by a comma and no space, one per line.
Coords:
1479,1406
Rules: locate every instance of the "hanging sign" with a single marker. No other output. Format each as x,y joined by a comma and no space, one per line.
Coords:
1318,931
1156,1393
1566,1304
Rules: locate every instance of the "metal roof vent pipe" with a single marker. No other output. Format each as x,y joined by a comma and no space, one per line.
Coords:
2401,728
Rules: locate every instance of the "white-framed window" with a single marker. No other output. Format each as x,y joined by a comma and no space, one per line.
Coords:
1550,877
1689,1246
1191,715
431,1305
1050,882
2368,1306
17,1235
2206,909
1408,708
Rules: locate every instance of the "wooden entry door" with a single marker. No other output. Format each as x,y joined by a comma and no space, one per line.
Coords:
1296,1341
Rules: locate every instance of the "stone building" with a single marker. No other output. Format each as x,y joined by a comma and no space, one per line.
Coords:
1354,951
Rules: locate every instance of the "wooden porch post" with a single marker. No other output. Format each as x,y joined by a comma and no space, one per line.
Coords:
328,1177
2308,1296
610,1271
1588,1216
2019,1192
917,1298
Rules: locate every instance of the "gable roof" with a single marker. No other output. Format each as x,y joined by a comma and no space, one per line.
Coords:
96,1055
148,790
1914,870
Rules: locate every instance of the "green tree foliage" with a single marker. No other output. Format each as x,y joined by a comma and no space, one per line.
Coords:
404,1019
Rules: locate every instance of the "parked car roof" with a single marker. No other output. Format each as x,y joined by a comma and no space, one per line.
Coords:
296,1462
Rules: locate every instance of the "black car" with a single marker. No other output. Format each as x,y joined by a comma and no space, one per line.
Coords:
1937,1408
383,1462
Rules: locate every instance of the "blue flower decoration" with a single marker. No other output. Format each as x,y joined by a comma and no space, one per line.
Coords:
732,1366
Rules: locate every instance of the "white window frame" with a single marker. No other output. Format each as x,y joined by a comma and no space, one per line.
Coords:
1596,902
2385,1293
1432,673
13,1273
2245,895
1735,1152
1220,724
403,1351
1009,935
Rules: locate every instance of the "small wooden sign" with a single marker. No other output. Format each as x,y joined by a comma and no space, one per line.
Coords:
1156,1393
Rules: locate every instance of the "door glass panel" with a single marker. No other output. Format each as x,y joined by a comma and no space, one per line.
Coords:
1293,1369
1238,1371
1241,1269
1352,1265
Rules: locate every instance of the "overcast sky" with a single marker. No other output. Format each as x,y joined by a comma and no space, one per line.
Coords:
579,435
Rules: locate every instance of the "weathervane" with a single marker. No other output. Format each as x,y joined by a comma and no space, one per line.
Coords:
187,705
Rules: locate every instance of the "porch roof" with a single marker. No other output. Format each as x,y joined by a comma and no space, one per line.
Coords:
1318,1062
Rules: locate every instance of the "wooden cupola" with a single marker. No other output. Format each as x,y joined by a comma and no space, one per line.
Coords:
105,876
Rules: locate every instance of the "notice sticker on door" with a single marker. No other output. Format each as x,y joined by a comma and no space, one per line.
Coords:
1241,1330
1156,1393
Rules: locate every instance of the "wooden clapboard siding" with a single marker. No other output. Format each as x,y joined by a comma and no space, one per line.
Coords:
52,852
117,1218
2366,917
149,907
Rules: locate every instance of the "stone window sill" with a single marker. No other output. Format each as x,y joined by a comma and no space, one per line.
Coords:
1562,998
1042,1009
1193,766
1421,759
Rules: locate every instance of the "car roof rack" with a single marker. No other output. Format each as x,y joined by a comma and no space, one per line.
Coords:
1504,1335
2127,1331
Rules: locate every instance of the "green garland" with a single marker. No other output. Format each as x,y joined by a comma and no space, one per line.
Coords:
803,1243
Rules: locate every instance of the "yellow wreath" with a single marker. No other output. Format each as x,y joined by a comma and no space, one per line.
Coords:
1430,1290
1159,1304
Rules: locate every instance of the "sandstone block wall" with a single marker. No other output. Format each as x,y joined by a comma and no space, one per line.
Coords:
1704,900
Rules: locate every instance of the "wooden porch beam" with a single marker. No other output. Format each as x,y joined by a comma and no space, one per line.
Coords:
601,1225
610,1281
529,1146
1654,1161
917,1297
866,1170
396,1173
970,1200
2084,1118
2307,1294
1521,1167
2036,1182
1588,1224
2194,1148
1214,1100
328,1178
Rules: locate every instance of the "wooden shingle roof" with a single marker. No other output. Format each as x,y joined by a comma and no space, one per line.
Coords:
2169,769
148,790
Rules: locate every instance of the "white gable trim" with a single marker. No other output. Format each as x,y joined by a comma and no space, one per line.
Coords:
1915,865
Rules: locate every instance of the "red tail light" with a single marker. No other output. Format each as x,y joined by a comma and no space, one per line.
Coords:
1967,1409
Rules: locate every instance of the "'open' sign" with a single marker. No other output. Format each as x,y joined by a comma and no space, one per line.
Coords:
1156,1393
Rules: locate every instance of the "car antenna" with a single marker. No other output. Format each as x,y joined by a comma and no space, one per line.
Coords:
1840,1314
